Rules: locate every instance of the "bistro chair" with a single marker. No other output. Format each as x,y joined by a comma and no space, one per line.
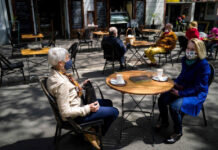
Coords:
15,46
183,42
70,124
52,41
7,67
73,51
110,54
84,41
165,55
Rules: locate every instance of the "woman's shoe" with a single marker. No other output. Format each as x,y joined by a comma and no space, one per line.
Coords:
173,138
93,140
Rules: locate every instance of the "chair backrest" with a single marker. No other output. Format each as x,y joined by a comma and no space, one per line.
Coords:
53,39
73,50
111,53
183,42
212,74
52,101
5,61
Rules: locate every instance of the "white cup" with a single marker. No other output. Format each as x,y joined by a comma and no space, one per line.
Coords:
120,79
131,41
159,73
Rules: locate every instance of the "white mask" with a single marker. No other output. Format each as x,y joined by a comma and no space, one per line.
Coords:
166,31
191,55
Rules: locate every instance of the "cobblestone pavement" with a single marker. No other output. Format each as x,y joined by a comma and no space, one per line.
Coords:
27,122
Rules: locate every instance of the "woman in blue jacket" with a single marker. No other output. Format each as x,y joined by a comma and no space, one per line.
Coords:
189,92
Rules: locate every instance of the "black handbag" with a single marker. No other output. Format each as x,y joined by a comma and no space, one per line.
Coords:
89,95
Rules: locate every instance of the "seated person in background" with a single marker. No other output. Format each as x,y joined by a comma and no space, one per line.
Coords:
68,93
120,47
212,44
192,31
189,92
166,42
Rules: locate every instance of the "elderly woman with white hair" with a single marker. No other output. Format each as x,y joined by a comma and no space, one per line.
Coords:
189,92
166,43
68,93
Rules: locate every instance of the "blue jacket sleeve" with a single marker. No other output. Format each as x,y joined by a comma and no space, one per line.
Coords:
201,83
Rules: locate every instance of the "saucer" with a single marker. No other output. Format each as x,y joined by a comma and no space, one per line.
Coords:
162,79
114,82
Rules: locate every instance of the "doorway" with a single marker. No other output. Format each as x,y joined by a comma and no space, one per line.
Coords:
48,16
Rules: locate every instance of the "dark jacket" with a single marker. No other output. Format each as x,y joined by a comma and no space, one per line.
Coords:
194,79
117,43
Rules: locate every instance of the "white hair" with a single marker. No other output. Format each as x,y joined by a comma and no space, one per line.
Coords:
56,54
112,31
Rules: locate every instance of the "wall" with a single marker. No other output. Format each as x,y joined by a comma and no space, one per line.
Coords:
3,23
154,7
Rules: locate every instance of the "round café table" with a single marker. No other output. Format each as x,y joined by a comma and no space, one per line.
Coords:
139,83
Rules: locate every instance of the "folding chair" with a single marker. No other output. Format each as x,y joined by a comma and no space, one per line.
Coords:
73,51
70,124
165,55
84,41
7,67
110,54
52,41
183,41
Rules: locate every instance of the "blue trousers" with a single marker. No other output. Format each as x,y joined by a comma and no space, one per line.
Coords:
106,112
175,104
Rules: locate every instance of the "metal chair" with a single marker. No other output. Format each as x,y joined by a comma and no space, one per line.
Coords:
183,42
70,124
73,51
111,54
52,41
165,55
7,67
15,46
84,41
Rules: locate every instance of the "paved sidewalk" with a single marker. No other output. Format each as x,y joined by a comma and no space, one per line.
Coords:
27,122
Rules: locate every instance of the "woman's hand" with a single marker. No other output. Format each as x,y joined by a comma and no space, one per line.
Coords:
94,106
174,92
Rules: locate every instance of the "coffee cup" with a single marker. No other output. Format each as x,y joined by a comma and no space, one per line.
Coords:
159,73
131,41
120,79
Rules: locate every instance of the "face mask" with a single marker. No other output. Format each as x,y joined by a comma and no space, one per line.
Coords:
191,55
166,31
68,65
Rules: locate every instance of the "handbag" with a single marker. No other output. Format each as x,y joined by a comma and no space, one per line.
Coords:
89,94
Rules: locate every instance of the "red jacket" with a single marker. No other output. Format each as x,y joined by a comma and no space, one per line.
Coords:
192,33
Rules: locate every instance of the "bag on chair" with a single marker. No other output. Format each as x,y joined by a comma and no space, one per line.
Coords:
89,95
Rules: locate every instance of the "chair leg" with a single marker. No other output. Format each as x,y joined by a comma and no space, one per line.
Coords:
204,116
100,137
171,59
2,73
23,74
113,66
180,52
56,133
104,66
216,53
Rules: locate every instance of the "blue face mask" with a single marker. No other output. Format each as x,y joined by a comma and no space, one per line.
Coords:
68,64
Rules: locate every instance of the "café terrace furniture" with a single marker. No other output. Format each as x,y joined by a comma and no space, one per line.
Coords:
100,34
7,67
70,125
157,32
73,50
32,36
139,83
183,42
216,48
86,40
52,41
32,53
110,54
135,48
